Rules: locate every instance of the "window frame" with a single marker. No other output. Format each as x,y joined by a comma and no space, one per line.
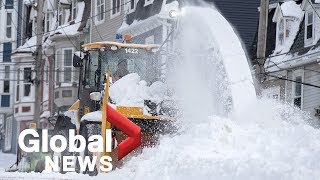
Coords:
61,18
48,19
6,90
9,25
9,4
295,74
26,83
117,8
283,31
60,66
64,66
129,8
6,72
101,14
1,103
74,10
309,41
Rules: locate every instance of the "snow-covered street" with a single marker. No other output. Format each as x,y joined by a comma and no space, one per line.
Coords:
6,160
188,66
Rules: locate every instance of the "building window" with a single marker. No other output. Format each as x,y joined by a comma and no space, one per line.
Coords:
7,49
17,93
148,2
9,25
115,6
63,66
281,31
74,9
9,4
309,26
5,100
67,93
58,60
67,65
297,89
26,109
60,16
100,10
27,82
7,72
6,86
130,5
56,94
48,21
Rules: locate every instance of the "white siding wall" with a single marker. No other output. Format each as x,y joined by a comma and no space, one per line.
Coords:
108,28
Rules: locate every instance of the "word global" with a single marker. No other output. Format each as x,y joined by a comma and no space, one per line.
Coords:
75,143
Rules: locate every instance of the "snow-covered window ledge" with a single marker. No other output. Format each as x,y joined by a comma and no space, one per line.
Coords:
148,2
309,29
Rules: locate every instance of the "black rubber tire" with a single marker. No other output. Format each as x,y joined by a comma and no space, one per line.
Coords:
40,166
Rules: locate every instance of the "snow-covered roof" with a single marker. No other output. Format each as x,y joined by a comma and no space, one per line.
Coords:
292,9
141,25
71,29
29,45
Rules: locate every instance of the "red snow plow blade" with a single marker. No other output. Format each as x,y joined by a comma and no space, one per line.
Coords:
129,128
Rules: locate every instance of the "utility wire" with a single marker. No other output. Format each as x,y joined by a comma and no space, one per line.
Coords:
61,27
290,80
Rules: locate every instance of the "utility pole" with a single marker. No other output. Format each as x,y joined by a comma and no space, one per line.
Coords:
39,64
262,42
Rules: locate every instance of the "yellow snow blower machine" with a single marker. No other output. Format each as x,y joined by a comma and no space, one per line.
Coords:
126,77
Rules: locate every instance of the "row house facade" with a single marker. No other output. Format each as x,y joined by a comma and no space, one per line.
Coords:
292,64
8,42
64,24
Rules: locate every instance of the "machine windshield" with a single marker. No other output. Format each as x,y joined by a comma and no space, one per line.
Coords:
121,62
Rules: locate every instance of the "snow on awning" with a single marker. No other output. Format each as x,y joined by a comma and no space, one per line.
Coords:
29,45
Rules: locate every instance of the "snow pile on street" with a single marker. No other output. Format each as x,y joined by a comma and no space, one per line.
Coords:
92,116
130,90
266,140
6,160
220,148
73,115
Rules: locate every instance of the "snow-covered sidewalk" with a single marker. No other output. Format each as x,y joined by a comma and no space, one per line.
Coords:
6,160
